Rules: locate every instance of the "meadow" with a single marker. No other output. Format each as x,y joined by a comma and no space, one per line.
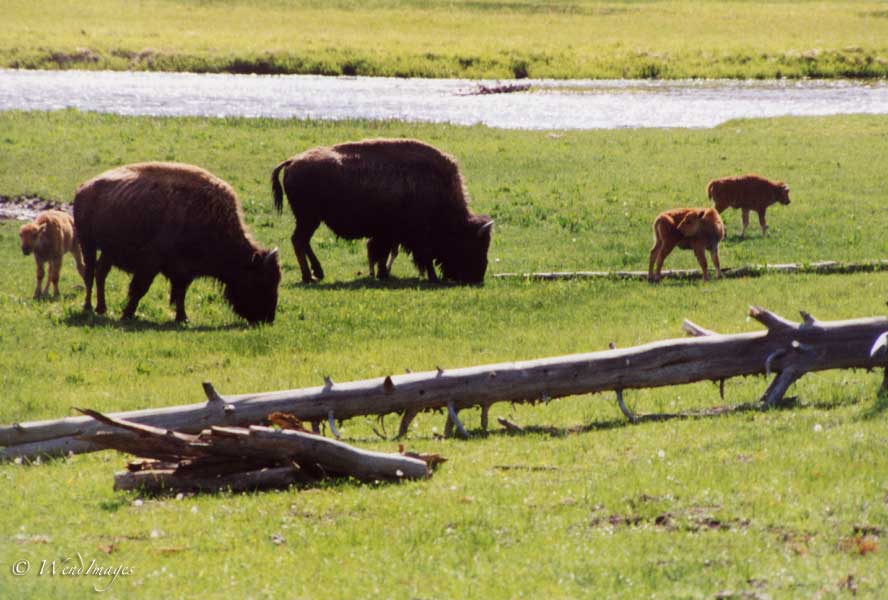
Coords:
458,38
783,503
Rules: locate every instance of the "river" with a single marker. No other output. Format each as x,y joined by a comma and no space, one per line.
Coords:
548,104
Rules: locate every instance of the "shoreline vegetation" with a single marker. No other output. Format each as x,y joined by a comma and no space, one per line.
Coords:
460,39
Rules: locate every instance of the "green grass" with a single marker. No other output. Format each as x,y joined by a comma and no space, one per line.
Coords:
749,502
460,38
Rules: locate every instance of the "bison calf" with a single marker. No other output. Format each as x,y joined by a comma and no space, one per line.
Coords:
177,220
49,237
398,193
747,192
697,229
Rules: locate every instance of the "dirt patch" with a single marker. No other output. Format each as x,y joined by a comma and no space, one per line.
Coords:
693,519
26,207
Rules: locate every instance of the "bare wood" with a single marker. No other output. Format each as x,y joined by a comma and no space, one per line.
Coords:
509,426
778,387
695,330
826,267
485,411
628,413
453,418
164,481
828,345
404,427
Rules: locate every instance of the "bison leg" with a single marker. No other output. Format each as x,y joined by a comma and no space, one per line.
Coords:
700,253
89,271
40,273
745,222
101,271
177,296
316,269
138,287
78,257
428,266
718,269
392,256
55,266
301,239
762,223
662,248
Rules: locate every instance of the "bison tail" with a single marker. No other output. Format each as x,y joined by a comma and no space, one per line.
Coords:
710,190
276,188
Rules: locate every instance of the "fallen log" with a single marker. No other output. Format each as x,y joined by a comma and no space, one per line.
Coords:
826,267
786,348
238,459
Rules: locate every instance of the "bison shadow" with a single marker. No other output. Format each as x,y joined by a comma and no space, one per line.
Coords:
372,283
88,319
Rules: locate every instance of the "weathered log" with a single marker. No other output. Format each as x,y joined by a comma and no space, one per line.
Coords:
826,267
799,347
283,446
160,481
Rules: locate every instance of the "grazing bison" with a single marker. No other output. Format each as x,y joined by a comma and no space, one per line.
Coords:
177,220
697,229
747,192
395,192
49,236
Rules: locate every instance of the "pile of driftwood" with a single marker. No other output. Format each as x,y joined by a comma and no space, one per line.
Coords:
786,349
240,459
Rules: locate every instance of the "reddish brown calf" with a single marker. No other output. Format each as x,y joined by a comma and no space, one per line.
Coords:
49,237
747,192
696,229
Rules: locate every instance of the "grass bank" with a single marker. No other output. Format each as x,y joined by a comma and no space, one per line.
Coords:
463,38
786,503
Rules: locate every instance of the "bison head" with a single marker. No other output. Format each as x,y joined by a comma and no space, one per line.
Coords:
783,194
31,236
703,223
253,290
464,258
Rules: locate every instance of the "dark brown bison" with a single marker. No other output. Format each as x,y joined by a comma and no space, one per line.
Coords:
697,229
177,220
395,192
747,192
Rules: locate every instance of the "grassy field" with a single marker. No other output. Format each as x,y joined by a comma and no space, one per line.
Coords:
459,38
788,503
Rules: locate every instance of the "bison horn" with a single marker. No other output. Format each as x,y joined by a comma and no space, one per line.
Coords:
485,227
270,257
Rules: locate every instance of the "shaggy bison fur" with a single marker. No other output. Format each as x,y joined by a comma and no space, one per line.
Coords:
179,221
747,192
398,193
49,237
697,229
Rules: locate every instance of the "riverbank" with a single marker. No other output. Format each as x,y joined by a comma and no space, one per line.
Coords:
461,39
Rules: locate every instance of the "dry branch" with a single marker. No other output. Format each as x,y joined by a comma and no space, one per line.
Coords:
787,348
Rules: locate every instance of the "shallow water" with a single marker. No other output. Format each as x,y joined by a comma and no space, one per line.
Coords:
549,104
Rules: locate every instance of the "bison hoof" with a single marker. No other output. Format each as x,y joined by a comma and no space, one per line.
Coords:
101,310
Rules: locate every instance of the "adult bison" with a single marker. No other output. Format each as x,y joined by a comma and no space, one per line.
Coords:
747,192
395,192
177,220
